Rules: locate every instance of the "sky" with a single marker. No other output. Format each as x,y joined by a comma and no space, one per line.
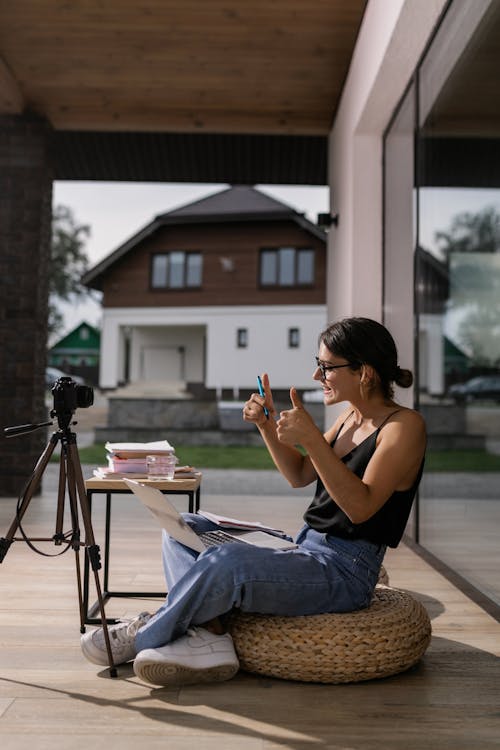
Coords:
438,206
115,211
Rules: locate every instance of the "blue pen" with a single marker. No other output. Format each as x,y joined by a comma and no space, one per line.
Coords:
261,391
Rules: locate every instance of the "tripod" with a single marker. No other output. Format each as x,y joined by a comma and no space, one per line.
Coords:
70,477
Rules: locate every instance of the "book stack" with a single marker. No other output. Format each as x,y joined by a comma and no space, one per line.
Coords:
128,460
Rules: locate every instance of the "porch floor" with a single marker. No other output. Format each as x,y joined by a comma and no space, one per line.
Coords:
51,697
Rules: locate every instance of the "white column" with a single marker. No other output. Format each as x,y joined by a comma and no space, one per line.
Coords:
110,364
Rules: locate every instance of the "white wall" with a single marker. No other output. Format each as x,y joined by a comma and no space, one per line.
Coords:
391,40
226,365
268,351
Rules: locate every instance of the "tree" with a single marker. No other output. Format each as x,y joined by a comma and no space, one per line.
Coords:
471,247
68,263
471,233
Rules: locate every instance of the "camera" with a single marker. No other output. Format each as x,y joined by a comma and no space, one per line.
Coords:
69,396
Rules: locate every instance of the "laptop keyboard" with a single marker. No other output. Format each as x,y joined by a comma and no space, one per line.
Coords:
214,538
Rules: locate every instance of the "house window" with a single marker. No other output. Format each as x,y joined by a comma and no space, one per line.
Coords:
176,270
286,266
242,338
293,338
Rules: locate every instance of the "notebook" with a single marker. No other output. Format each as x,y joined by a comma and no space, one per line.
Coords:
171,520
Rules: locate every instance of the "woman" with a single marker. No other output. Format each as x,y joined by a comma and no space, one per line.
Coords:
367,467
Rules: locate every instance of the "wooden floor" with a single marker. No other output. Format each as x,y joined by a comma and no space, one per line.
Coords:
50,697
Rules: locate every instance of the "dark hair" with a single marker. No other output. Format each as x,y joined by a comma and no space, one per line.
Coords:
362,341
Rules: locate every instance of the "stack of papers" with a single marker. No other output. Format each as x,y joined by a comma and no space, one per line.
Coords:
128,461
137,450
130,458
106,472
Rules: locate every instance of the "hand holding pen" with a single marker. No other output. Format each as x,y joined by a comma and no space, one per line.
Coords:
262,393
260,403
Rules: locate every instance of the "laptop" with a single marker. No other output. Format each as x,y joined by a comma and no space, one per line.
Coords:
171,520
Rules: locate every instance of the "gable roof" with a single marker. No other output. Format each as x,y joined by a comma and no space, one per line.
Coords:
238,200
234,204
84,337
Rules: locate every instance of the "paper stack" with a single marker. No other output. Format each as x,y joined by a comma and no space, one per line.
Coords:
129,460
181,472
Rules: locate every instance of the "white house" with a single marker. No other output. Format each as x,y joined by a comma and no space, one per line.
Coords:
213,293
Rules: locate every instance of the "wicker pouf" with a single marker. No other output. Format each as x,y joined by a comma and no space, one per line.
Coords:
388,637
383,576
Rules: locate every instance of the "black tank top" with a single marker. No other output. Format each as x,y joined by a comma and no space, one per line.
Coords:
386,526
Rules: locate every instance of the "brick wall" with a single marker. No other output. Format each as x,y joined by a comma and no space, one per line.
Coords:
25,219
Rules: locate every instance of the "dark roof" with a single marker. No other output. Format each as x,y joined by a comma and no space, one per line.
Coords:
239,200
234,204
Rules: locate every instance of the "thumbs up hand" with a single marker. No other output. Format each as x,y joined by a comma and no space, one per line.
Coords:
295,426
295,399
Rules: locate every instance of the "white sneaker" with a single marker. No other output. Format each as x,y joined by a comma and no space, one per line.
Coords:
198,656
121,638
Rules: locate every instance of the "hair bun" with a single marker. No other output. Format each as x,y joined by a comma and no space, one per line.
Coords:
403,378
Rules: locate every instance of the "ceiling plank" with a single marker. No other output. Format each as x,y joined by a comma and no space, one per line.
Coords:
11,98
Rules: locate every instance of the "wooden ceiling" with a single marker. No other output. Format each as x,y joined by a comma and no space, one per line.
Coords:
178,66
468,104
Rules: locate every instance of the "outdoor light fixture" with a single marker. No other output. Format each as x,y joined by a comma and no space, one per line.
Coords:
325,221
227,264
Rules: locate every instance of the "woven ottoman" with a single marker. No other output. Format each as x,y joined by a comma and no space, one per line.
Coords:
387,637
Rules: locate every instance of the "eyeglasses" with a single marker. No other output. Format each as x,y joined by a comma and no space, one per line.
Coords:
325,369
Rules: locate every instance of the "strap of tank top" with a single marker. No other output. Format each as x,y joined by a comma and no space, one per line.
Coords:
376,431
340,428
385,420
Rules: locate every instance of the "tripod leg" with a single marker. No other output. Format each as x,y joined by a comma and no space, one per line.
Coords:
63,476
92,549
31,487
75,540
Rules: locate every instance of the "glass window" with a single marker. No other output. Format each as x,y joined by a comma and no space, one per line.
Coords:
293,338
177,267
194,269
159,271
305,267
242,338
287,266
459,227
268,267
176,270
445,184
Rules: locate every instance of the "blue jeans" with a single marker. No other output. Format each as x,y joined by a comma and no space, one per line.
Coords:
323,574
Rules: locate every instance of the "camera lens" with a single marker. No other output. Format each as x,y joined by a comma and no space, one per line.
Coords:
84,396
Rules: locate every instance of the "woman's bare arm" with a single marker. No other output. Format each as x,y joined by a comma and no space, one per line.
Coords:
394,464
290,462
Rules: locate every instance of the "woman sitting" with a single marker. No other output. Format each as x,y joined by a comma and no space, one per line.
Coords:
367,467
